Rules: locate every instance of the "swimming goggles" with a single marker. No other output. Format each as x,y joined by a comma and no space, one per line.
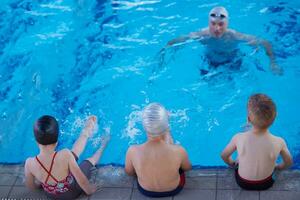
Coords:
214,15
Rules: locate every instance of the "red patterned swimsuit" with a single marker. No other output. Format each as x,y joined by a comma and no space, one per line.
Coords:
58,187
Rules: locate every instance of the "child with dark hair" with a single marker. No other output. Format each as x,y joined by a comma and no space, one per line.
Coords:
257,148
57,171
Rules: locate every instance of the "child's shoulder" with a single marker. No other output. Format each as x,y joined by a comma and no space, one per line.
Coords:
30,164
29,161
64,153
178,148
134,148
277,139
239,135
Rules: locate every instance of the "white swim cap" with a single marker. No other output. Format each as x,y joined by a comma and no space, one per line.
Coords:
155,119
218,13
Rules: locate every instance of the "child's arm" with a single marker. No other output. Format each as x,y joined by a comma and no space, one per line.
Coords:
79,176
228,151
29,178
186,164
129,169
286,157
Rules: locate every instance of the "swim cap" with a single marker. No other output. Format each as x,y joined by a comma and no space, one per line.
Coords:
155,119
46,130
218,13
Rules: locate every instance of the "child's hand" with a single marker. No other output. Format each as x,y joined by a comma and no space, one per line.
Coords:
278,167
92,189
234,164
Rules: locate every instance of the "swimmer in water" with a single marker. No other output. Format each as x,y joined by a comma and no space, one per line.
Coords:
222,43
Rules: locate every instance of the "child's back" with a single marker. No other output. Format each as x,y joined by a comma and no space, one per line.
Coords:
257,154
60,167
156,165
257,149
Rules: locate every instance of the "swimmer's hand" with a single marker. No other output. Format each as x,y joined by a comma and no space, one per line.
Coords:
276,69
179,41
161,56
174,43
171,43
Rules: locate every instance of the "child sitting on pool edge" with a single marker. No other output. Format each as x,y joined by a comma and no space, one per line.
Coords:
257,148
158,163
57,171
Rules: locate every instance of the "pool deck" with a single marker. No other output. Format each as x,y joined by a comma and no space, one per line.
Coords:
201,184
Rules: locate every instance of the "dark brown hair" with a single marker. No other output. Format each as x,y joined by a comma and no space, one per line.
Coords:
46,130
261,110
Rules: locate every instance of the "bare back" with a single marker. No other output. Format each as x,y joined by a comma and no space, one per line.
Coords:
60,169
157,165
257,154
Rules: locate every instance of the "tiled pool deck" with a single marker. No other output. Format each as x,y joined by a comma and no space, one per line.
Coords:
202,184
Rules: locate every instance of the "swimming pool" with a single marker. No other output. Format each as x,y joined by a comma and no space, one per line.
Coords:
73,58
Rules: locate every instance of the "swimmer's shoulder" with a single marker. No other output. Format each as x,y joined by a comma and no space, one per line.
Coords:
204,32
235,35
232,33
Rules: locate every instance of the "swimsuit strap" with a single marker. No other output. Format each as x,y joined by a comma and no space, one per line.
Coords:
49,172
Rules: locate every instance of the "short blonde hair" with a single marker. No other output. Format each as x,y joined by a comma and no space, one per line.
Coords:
262,110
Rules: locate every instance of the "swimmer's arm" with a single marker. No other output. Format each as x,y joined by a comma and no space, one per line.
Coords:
29,178
185,164
129,169
254,41
178,40
192,36
228,151
81,179
286,157
269,51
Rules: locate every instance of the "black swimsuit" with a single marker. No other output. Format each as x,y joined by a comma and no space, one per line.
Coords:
167,193
254,185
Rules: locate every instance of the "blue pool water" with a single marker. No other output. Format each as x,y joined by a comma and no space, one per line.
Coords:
74,58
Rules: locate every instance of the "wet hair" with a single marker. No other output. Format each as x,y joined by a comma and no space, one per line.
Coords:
46,130
155,119
262,109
